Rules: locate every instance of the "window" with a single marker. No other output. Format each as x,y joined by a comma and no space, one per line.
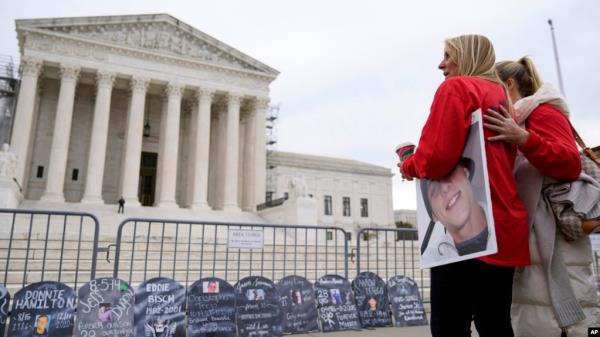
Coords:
369,235
75,175
346,206
348,236
329,235
286,195
40,172
269,196
327,206
364,208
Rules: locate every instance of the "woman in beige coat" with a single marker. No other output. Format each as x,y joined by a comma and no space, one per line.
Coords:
556,294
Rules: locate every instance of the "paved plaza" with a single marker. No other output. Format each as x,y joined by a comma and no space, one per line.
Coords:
417,331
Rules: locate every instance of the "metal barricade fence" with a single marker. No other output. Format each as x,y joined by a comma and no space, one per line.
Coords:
189,250
388,252
39,245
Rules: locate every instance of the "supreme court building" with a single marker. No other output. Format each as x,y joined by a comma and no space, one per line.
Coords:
148,108
115,105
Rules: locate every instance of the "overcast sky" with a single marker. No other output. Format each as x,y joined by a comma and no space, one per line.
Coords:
358,77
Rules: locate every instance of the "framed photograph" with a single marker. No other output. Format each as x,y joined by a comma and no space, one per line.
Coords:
454,214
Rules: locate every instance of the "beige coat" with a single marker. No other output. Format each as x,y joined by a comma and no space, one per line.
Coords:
532,310
535,313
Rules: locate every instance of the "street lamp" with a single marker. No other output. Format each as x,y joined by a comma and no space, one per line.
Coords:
560,81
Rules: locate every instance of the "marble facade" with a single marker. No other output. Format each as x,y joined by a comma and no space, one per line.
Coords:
366,187
92,88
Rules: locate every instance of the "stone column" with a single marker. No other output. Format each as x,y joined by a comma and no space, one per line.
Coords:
260,150
62,132
130,167
168,147
200,150
249,155
221,154
232,153
213,160
97,153
23,123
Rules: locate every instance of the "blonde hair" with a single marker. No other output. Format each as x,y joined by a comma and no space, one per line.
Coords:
474,55
523,72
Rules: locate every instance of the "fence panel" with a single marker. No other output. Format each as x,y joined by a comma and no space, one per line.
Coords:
189,250
39,245
389,252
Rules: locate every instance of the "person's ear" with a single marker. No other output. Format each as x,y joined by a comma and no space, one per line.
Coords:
467,172
510,83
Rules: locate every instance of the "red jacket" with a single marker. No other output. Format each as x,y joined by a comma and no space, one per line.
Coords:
441,146
550,147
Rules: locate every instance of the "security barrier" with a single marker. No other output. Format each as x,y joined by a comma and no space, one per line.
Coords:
388,252
40,245
190,250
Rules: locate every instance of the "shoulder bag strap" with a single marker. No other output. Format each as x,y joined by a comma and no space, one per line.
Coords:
588,152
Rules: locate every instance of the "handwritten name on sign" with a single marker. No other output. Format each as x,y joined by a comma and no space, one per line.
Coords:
335,300
43,309
4,301
407,306
211,308
370,295
105,308
298,304
257,307
160,308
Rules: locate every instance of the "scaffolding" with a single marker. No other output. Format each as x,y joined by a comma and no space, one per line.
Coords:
9,84
271,130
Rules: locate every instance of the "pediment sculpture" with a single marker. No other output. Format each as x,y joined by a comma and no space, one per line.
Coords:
160,37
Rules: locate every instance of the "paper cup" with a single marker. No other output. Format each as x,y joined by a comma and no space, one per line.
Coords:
405,149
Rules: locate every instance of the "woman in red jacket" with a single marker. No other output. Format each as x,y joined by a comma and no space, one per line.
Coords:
478,289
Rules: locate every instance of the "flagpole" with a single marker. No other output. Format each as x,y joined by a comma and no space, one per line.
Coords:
560,81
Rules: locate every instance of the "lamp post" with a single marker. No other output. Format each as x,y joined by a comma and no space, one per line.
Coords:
560,81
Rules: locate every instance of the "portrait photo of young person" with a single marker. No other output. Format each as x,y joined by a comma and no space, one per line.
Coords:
454,213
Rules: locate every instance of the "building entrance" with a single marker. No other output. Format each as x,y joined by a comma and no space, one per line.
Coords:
147,185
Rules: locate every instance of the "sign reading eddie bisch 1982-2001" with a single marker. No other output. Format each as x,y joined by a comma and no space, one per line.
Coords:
160,308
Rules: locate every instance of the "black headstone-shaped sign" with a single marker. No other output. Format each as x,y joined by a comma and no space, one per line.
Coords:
407,306
211,308
4,300
371,300
160,308
298,304
43,309
257,308
335,301
105,307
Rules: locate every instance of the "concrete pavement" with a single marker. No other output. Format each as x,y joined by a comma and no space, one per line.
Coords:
418,331
415,331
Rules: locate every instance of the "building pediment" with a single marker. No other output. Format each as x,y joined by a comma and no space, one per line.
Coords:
158,33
